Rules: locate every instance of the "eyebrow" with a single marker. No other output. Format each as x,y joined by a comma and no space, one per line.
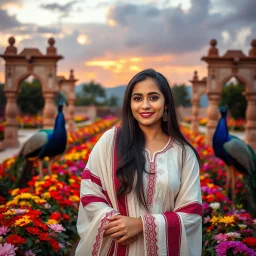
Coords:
150,93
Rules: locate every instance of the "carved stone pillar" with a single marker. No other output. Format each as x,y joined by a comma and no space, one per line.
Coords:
71,117
49,112
11,126
212,115
195,114
250,127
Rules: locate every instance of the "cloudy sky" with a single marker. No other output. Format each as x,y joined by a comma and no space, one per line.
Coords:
111,40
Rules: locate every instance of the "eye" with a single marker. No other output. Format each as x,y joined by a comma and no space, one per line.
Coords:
136,98
154,97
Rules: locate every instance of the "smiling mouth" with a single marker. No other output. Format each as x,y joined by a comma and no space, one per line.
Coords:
146,115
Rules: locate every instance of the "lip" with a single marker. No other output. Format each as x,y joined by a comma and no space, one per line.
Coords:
146,114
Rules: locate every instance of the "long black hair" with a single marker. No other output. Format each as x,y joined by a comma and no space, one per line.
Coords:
131,140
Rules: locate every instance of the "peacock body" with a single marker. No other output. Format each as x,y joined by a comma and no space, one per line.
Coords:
44,143
237,155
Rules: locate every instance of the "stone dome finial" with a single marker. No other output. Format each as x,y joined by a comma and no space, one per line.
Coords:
252,51
195,75
213,51
51,41
11,40
11,49
51,50
71,76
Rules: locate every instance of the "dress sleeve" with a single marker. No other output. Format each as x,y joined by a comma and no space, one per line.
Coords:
178,232
95,205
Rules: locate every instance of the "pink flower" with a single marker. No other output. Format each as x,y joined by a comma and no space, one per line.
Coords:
29,253
7,250
57,227
221,237
4,230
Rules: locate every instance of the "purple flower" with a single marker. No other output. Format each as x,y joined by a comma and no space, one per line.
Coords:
7,250
4,230
238,247
29,253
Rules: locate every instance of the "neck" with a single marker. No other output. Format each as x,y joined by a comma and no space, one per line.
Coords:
152,132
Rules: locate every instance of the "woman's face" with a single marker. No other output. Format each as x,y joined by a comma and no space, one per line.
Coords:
147,103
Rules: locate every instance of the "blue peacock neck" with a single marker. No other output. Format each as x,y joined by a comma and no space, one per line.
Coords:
59,127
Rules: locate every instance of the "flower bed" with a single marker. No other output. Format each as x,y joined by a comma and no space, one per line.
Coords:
44,214
235,125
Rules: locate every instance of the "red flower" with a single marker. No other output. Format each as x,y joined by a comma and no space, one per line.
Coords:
250,241
34,231
44,237
65,216
55,245
15,240
55,216
39,224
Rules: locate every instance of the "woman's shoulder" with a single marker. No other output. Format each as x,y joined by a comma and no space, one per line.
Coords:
109,135
180,147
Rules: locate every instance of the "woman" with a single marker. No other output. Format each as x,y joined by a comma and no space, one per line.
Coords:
140,191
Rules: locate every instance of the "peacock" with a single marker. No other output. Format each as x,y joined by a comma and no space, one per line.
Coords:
238,156
44,143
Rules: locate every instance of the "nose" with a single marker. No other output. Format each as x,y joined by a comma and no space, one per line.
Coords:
145,104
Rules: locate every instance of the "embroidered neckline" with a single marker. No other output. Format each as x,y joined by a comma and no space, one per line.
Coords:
152,159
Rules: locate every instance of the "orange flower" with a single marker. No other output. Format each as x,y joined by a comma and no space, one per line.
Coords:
15,240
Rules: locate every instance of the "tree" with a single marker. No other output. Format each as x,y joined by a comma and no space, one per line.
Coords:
180,95
92,93
2,95
30,99
232,95
112,101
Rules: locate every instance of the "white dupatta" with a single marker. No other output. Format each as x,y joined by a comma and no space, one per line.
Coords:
173,226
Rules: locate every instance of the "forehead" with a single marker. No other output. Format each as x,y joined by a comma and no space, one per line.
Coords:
145,87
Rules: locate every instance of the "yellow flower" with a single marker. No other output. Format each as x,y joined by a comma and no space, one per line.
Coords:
22,222
24,203
227,220
15,192
71,181
74,198
52,188
46,159
210,185
9,212
51,221
46,195
25,196
38,183
214,220
39,201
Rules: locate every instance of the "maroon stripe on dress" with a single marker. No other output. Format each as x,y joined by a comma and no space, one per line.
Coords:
87,175
106,195
122,202
111,249
173,233
87,199
193,208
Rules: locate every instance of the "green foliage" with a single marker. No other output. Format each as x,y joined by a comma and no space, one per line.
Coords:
92,92
180,95
2,96
30,100
232,95
112,101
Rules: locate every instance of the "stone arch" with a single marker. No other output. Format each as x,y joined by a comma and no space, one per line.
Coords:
17,67
234,63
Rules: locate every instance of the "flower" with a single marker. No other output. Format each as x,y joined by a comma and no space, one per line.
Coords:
242,226
4,230
23,221
233,235
15,239
7,249
220,237
33,231
227,220
250,241
58,228
215,206
29,253
214,220
51,221
238,247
